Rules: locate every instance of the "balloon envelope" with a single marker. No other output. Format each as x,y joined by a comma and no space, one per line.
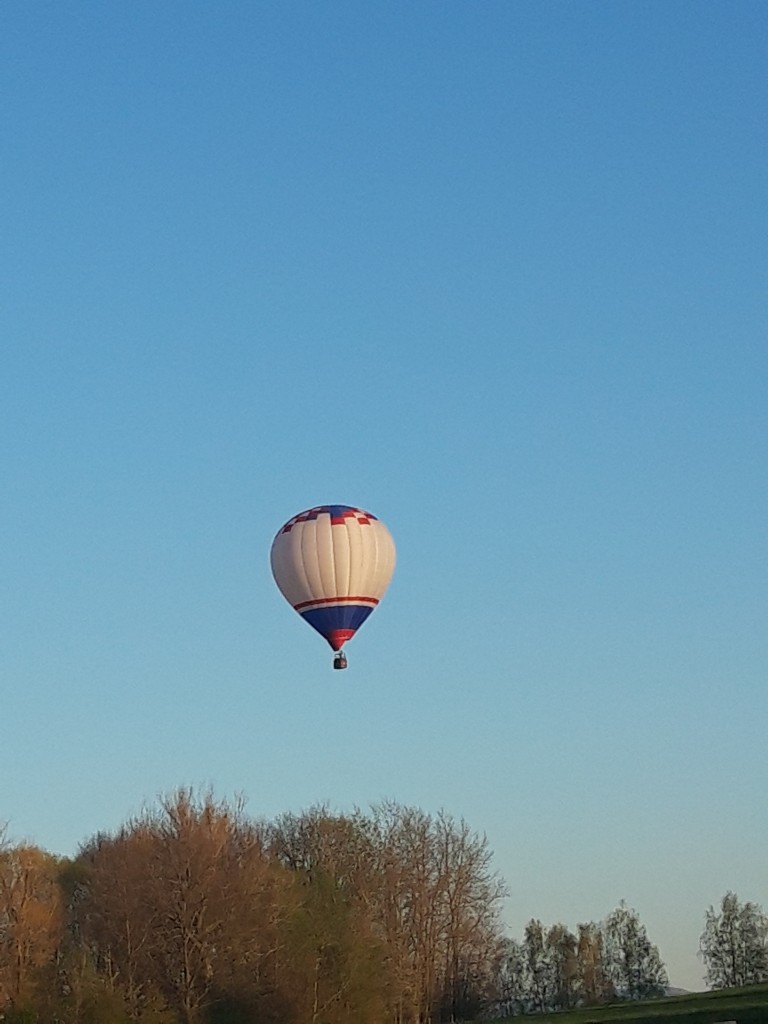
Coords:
333,564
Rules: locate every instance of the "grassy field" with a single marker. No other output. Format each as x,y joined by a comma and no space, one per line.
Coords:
745,1006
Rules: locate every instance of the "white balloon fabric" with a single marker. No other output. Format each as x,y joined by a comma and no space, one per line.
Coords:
333,564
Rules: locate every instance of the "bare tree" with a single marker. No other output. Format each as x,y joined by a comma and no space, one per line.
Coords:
386,865
471,893
207,877
191,912
181,903
420,886
31,919
438,903
116,916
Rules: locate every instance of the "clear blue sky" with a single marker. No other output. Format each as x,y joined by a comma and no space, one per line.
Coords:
496,272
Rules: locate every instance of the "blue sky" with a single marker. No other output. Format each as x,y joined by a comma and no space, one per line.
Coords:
496,272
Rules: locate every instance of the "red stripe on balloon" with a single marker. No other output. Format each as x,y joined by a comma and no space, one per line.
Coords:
336,600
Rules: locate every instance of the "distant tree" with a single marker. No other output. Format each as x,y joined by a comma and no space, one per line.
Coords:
508,974
593,984
536,965
548,962
734,944
563,961
633,964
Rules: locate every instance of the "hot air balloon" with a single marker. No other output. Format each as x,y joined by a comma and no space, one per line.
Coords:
333,564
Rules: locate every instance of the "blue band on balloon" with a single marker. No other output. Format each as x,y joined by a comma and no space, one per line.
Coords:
336,616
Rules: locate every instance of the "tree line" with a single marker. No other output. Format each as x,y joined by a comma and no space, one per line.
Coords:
194,913
554,969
